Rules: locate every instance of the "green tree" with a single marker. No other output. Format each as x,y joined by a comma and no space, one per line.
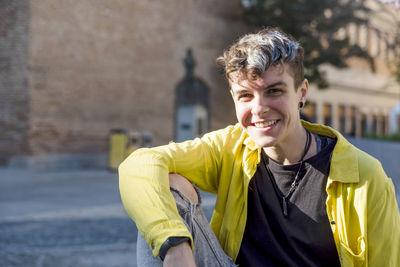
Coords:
315,24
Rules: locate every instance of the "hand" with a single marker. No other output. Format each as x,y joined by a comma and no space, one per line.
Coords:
179,256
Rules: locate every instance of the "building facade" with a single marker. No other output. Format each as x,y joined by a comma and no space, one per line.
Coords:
14,92
70,73
359,101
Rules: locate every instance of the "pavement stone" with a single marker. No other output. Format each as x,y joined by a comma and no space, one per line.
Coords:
96,255
65,233
66,218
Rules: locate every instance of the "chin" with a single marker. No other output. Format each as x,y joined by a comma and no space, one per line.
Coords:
264,141
266,144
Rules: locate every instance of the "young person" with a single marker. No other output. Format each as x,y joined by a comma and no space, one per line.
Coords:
289,193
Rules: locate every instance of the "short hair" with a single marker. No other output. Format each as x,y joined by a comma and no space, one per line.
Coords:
254,53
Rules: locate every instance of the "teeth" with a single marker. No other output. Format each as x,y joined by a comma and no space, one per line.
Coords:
264,124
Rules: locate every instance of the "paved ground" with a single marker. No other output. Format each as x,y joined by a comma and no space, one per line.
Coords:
61,219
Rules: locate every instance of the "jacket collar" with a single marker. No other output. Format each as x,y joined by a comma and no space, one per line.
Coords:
344,161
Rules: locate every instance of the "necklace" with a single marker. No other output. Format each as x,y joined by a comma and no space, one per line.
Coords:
294,184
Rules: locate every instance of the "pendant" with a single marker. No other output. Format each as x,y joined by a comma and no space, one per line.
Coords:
284,206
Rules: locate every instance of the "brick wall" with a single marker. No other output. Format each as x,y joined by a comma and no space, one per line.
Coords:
14,95
97,65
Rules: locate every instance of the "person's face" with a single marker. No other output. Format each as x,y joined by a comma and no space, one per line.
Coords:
268,108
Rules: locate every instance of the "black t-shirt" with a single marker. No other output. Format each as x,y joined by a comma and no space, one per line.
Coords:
303,237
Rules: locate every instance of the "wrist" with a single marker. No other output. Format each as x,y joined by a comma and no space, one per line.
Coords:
172,241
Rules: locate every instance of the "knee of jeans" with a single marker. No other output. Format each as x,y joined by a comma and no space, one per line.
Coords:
183,185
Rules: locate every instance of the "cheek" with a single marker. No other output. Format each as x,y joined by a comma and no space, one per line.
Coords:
242,113
283,107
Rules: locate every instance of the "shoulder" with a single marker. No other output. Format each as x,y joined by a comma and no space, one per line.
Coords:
371,172
366,170
227,138
349,163
353,167
214,140
373,176
367,164
230,132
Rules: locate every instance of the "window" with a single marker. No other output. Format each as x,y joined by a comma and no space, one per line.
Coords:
352,116
364,126
342,119
309,112
327,114
374,124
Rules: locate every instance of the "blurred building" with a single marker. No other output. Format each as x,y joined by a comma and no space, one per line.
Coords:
360,101
69,73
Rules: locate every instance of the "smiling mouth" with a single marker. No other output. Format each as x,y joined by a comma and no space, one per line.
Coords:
264,124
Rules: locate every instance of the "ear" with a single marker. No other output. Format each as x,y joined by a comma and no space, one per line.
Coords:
303,90
232,94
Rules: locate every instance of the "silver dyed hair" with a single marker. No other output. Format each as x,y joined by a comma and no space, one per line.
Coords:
268,50
254,53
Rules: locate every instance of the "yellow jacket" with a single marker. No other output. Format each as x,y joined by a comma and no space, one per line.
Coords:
361,202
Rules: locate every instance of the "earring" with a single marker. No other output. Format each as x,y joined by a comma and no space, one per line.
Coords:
301,105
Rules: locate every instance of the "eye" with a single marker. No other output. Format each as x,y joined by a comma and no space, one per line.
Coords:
274,91
244,97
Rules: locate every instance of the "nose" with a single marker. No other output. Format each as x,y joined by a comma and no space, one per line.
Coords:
259,106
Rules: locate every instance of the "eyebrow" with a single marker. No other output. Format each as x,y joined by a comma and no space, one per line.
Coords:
239,92
280,83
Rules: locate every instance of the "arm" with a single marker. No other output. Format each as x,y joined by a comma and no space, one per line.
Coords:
383,224
144,184
179,256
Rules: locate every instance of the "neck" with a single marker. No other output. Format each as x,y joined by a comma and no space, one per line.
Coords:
290,150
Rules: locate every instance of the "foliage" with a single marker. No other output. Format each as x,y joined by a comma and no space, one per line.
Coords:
315,24
390,137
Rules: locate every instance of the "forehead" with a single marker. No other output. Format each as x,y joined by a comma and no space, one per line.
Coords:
276,74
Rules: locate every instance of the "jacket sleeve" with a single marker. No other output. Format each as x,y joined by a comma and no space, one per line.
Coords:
144,183
383,225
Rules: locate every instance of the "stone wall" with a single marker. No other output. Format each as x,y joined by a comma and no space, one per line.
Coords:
98,65
14,95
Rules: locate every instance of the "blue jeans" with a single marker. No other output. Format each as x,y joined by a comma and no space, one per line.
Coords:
207,250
